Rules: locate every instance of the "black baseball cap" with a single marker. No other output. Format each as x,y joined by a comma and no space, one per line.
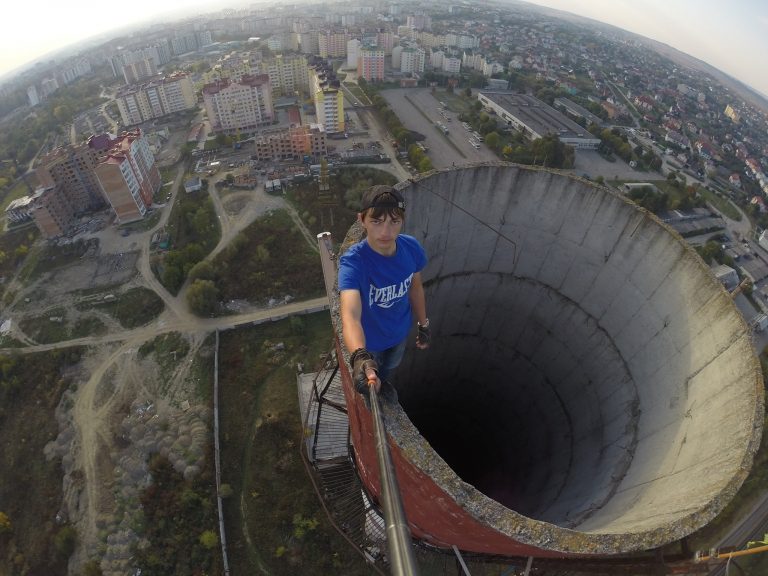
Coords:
381,197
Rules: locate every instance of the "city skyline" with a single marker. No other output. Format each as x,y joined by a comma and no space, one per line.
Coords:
728,37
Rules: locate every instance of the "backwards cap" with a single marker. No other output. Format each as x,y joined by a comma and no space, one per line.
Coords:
381,197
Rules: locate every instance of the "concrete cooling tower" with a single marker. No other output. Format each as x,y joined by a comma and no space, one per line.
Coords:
591,389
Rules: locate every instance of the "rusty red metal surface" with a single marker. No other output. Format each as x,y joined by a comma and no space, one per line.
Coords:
433,516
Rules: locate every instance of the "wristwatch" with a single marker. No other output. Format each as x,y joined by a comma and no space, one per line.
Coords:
425,324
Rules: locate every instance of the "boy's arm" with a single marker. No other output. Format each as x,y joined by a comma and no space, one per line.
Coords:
353,335
351,324
416,296
419,307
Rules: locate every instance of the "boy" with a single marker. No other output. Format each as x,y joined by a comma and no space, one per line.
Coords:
380,289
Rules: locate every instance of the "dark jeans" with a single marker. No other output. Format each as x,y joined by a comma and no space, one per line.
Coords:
388,360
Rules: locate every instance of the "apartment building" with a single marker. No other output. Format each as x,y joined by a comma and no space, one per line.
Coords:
155,99
242,106
288,74
128,175
51,212
230,67
412,60
70,169
328,98
139,70
370,64
310,42
353,52
332,44
293,143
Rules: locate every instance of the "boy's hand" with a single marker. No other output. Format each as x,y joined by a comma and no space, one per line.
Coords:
364,369
423,337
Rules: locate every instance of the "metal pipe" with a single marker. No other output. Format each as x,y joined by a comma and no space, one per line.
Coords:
401,558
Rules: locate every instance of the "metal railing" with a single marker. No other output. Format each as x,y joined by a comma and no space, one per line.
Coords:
401,557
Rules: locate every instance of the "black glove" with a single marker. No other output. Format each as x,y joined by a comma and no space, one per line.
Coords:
424,336
362,361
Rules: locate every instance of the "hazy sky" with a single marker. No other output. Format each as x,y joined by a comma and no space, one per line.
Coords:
732,36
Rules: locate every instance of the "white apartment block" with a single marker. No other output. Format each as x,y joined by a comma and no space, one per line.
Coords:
412,61
353,53
371,64
139,103
275,43
436,58
310,43
452,65
472,61
232,67
333,44
287,74
419,22
242,106
491,68
397,53
462,41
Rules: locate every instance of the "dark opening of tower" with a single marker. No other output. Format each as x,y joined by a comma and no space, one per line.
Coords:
591,389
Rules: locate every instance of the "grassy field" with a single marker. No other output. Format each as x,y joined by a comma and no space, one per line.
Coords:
335,210
135,307
269,259
55,326
722,205
275,523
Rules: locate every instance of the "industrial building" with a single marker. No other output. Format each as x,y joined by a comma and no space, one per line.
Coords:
536,119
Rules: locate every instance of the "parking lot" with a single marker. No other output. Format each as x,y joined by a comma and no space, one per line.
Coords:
420,112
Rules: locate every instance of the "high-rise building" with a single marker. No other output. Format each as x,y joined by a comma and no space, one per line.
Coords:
328,98
51,212
412,60
139,103
128,175
419,22
288,74
32,95
310,43
242,106
70,169
370,64
332,44
139,70
353,53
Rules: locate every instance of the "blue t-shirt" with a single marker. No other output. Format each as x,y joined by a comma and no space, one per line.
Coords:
383,283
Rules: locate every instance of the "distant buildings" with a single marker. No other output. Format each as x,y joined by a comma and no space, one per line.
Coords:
120,172
731,112
241,106
535,119
293,143
155,99
288,74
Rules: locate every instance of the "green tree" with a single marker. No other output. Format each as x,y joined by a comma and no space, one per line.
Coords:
493,140
92,568
202,271
209,539
203,297
65,541
5,523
